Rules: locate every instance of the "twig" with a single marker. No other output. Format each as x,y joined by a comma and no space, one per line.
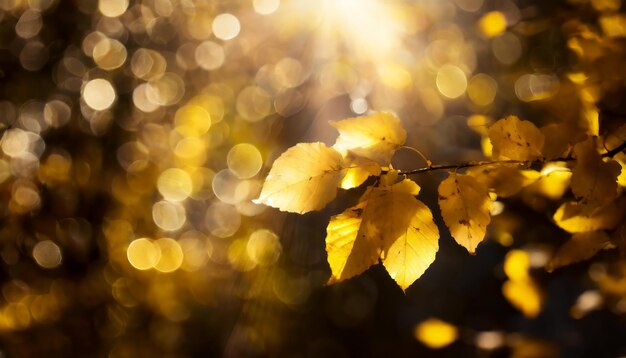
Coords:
610,154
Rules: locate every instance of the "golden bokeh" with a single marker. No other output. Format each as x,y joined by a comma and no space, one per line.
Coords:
137,137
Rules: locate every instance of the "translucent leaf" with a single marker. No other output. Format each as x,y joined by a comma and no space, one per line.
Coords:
413,252
465,205
553,183
574,217
593,180
389,222
303,178
515,139
350,250
579,247
357,172
621,179
374,137
504,180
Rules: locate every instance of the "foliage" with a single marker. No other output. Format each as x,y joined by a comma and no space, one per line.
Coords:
390,225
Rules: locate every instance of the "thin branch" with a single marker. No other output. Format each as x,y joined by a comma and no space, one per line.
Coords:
613,152
610,154
462,165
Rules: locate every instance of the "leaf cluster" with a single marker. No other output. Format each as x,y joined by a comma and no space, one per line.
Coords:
390,225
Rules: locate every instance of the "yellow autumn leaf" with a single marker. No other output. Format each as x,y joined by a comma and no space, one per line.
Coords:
557,139
465,205
523,295
516,139
350,250
621,179
574,217
389,222
579,247
593,180
504,180
553,183
516,265
303,178
412,253
611,141
520,290
374,137
357,172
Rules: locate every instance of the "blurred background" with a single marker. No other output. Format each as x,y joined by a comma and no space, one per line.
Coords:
136,133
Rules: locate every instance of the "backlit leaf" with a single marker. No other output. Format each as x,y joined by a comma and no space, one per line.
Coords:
374,137
465,205
553,183
579,247
303,178
357,172
516,139
593,180
411,253
388,223
574,217
350,249
504,180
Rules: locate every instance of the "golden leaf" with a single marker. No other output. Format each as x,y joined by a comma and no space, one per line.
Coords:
357,172
574,217
515,139
303,178
504,180
520,290
465,205
374,137
557,139
413,252
593,180
579,247
523,295
553,183
350,250
390,220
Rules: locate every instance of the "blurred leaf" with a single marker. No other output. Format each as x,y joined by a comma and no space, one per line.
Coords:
557,139
523,295
593,180
579,247
574,217
504,180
